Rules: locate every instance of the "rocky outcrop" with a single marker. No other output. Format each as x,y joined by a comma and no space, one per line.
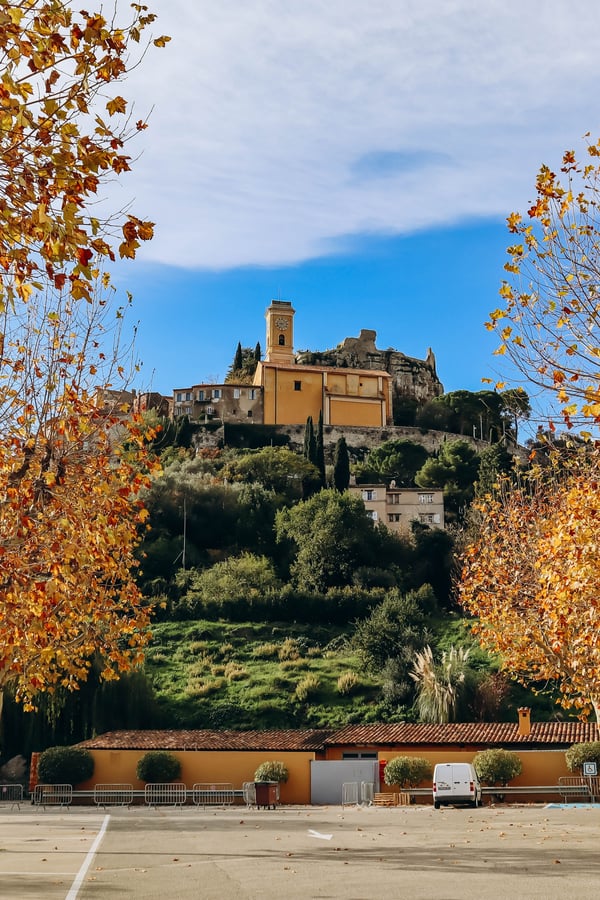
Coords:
414,379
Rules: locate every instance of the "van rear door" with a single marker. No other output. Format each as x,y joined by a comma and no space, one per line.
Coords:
443,782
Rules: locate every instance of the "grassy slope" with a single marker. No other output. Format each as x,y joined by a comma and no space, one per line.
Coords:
252,675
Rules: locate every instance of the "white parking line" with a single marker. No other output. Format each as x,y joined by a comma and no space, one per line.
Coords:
76,886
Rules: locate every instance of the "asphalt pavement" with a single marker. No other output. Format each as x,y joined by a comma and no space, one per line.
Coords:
418,853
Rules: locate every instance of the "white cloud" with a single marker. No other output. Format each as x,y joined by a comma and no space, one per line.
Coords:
264,110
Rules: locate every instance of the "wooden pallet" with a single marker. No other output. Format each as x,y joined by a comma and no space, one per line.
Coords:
385,799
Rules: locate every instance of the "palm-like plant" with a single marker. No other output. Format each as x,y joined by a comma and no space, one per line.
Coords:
439,685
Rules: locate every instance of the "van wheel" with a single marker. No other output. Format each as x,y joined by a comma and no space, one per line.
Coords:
436,804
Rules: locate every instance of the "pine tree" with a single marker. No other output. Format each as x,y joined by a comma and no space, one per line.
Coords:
341,466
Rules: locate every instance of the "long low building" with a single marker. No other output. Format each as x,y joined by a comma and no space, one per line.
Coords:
234,756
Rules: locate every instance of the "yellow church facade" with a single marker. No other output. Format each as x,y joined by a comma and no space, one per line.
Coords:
292,392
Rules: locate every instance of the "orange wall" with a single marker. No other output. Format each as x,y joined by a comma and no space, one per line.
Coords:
540,767
359,412
354,398
118,767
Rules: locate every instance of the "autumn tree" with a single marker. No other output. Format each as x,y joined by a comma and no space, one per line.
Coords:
548,324
71,466
531,578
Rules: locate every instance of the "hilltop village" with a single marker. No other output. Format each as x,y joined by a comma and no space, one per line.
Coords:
355,385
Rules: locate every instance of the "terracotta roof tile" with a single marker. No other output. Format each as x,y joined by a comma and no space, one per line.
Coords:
560,734
496,733
289,740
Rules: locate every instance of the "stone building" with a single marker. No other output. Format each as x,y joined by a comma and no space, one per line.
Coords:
228,402
397,508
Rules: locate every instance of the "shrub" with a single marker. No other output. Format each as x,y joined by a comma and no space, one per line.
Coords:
347,682
289,649
158,766
272,771
266,651
65,765
407,771
497,766
235,672
577,754
307,687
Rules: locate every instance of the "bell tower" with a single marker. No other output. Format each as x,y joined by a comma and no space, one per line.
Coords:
280,332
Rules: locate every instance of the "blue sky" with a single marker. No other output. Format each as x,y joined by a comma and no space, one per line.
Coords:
357,159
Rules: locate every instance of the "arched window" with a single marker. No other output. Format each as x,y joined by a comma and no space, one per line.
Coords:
282,340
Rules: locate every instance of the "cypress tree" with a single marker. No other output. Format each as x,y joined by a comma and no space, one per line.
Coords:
257,352
238,360
320,449
309,437
341,466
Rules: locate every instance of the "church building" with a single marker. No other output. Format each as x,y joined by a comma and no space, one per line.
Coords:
293,392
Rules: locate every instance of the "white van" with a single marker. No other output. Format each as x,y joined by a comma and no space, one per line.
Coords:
455,783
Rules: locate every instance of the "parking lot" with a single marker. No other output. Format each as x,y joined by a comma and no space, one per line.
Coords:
301,852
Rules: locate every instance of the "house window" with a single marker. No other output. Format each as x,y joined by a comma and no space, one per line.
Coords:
188,395
216,394
178,397
372,514
369,495
236,393
426,518
425,498
251,394
394,517
249,413
282,340
200,395
394,499
297,385
359,756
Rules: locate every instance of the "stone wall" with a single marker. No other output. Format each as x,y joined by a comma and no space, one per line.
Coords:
359,440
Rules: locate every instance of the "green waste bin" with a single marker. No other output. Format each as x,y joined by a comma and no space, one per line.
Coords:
267,794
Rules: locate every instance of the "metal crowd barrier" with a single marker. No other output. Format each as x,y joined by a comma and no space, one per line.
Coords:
249,793
113,795
367,793
205,794
53,795
350,793
165,794
579,786
11,793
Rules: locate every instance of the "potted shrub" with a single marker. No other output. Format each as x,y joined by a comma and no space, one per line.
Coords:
267,779
65,765
497,767
272,771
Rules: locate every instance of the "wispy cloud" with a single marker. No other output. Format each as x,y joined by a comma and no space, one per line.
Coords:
279,127
387,163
